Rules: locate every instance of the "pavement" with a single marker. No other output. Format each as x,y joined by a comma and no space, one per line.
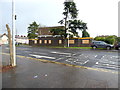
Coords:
35,73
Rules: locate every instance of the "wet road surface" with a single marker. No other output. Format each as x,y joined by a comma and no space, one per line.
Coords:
36,74
106,59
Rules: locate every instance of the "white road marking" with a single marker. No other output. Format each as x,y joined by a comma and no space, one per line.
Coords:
81,54
61,53
73,54
40,53
96,55
27,51
39,56
114,56
86,62
103,56
96,62
58,59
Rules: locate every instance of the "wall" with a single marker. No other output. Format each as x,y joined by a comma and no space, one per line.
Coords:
59,41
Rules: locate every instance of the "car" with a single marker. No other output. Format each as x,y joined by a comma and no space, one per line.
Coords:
101,44
117,47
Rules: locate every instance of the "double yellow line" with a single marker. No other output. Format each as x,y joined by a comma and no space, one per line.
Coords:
47,61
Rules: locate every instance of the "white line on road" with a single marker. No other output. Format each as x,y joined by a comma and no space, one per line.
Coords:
58,59
96,62
38,56
86,62
40,53
96,55
61,53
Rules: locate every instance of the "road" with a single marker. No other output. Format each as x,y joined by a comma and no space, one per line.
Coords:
105,59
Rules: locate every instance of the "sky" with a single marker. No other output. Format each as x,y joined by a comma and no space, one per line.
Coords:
101,16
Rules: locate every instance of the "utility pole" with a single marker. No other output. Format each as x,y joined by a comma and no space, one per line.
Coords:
13,33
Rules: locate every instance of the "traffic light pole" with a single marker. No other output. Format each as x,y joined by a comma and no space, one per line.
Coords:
13,34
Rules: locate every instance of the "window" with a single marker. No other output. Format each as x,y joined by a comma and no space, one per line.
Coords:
49,41
60,41
85,41
45,41
35,41
40,41
71,41
102,43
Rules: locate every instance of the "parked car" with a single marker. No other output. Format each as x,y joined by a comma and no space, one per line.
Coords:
101,44
117,47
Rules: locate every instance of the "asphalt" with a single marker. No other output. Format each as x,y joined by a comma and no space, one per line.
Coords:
32,73
106,59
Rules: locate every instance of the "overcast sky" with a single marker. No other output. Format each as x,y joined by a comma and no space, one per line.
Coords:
101,16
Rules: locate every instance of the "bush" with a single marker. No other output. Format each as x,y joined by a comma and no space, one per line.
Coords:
109,39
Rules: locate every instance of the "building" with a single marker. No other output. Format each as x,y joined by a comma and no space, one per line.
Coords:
42,31
4,39
21,39
46,38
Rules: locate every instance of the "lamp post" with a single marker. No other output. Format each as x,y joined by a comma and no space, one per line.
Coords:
68,24
68,0
13,33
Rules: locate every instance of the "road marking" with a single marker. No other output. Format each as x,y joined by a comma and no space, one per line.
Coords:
86,62
61,53
27,51
40,53
114,57
89,68
59,59
97,62
96,55
73,54
39,56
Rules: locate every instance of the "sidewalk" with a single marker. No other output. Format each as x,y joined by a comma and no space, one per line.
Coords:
36,74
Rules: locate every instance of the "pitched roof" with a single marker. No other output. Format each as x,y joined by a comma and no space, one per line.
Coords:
3,35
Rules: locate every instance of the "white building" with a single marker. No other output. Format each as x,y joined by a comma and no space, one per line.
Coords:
22,39
4,39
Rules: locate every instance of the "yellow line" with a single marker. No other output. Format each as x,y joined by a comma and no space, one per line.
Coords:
47,61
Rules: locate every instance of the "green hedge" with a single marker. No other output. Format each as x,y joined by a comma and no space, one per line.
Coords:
109,39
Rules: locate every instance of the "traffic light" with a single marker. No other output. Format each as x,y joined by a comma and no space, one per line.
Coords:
15,17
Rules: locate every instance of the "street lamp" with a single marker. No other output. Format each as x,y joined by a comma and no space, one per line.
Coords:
68,0
68,24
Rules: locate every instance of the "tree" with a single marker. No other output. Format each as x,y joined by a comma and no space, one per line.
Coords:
78,24
70,12
117,39
33,30
111,39
70,20
57,31
84,32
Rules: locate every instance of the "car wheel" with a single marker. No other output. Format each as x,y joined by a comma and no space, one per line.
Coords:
94,47
108,48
